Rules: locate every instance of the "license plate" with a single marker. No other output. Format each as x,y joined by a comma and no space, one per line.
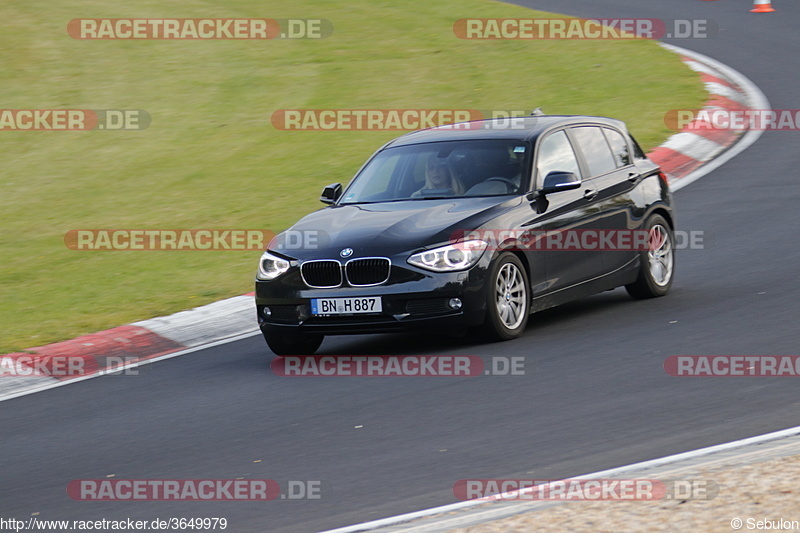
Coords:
346,306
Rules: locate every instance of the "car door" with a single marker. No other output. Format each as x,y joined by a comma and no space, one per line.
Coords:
559,213
612,177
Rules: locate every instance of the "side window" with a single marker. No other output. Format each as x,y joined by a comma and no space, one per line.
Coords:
595,149
555,153
619,147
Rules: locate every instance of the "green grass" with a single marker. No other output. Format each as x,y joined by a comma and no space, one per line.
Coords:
211,158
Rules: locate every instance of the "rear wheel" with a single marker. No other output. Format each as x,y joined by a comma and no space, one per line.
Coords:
293,344
508,300
657,265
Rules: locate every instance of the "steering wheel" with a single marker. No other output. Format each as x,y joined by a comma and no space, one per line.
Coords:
512,187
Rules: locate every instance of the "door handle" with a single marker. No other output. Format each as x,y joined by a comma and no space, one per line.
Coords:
589,193
633,176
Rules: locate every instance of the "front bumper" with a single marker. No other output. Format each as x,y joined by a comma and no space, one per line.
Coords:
411,299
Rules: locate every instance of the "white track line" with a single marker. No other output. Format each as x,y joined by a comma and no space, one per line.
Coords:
394,520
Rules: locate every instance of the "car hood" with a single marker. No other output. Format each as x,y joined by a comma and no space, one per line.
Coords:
387,228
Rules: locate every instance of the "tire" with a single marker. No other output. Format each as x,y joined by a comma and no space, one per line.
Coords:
657,266
508,300
289,344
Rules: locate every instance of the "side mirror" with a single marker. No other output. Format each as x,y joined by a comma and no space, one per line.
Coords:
557,181
331,193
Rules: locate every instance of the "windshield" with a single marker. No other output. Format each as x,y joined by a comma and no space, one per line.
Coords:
451,169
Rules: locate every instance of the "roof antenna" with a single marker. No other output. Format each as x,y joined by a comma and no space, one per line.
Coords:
537,112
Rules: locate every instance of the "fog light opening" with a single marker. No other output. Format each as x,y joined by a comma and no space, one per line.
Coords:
303,312
455,303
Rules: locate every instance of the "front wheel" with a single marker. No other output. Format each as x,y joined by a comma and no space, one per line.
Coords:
657,265
507,300
293,344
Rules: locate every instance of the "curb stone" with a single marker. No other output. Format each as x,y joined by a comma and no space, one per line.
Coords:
686,151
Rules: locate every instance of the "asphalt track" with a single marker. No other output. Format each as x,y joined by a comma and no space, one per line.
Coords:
594,396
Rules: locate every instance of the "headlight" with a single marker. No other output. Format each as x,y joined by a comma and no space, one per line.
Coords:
457,256
271,266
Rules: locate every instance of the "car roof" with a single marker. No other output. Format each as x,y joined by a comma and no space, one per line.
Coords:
523,128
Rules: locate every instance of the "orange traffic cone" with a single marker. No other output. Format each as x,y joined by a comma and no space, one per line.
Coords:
762,6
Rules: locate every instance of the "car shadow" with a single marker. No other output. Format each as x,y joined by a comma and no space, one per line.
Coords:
421,343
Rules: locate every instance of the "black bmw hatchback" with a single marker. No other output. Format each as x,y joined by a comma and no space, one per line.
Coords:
471,226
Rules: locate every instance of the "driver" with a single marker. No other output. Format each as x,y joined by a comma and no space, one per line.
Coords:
439,181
